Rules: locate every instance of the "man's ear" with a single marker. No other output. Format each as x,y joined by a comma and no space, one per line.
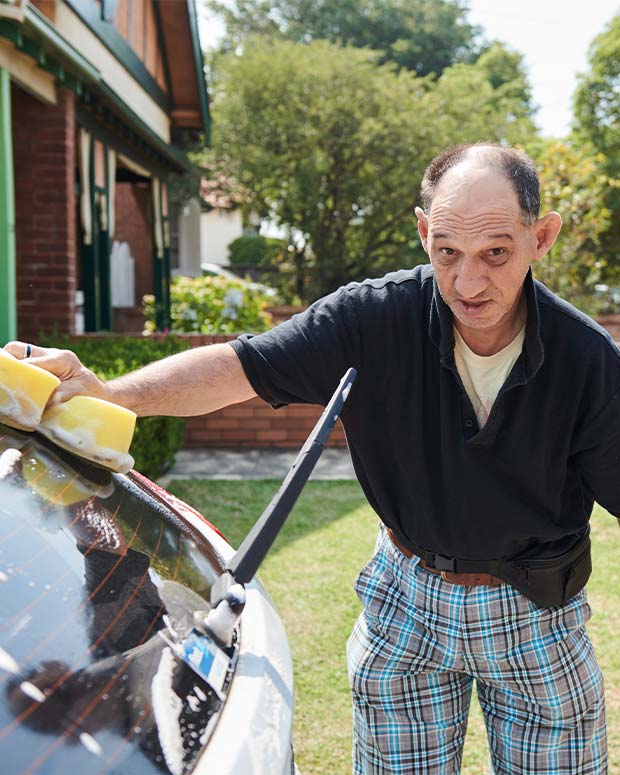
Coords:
422,226
546,230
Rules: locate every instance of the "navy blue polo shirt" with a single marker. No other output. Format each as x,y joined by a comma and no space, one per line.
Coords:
529,478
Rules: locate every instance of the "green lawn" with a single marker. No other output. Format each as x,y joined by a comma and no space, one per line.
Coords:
310,573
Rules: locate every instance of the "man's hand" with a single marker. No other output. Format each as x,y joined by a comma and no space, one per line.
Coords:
75,378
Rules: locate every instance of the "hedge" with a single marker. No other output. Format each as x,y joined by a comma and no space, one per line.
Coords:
157,439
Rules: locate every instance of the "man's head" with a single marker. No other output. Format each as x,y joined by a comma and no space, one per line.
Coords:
481,229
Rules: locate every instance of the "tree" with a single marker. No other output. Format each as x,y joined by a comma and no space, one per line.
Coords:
574,182
422,35
333,147
597,122
506,72
597,98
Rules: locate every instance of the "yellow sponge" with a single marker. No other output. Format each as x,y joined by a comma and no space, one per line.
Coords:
24,392
94,429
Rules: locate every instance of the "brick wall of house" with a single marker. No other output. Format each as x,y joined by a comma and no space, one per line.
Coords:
45,213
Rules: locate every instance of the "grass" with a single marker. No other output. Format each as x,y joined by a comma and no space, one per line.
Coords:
310,573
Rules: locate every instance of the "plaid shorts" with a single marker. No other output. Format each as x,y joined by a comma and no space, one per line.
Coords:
418,646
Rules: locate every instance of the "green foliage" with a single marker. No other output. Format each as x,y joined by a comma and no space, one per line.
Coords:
597,98
506,72
333,146
156,439
256,250
421,35
212,305
597,123
574,182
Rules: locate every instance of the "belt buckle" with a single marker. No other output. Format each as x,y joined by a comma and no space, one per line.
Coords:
444,565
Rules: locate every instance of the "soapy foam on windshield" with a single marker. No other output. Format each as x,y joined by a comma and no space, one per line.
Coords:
82,441
32,691
7,662
89,742
167,707
8,462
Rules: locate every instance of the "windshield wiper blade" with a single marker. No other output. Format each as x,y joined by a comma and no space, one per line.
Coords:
244,564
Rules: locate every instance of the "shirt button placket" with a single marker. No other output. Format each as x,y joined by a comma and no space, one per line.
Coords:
470,427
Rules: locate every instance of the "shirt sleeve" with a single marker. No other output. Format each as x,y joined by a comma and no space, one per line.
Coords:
597,455
303,359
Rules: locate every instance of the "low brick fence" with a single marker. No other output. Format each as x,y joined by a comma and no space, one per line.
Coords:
253,423
612,324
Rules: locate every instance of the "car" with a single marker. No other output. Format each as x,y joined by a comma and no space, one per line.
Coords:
105,661
216,270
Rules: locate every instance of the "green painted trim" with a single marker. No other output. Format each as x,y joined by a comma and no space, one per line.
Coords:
8,282
38,26
90,13
38,40
175,157
105,290
115,135
200,72
105,280
90,258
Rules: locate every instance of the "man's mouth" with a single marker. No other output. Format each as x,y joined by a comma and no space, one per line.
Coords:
473,307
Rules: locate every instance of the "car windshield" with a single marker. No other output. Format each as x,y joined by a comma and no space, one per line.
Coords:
100,579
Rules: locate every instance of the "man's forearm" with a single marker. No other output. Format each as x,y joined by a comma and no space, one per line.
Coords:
190,383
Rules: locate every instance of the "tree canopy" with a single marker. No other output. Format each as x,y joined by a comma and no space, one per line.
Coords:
573,181
422,35
332,147
597,98
597,123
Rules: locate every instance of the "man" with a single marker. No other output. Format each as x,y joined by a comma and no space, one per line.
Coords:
483,424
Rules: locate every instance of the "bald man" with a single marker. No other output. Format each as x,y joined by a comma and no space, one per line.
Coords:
483,425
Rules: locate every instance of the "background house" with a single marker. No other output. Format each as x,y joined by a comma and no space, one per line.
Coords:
209,223
99,102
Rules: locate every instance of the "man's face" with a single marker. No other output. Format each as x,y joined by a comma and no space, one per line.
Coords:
479,247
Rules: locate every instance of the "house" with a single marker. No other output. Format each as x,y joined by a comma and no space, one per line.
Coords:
209,223
100,100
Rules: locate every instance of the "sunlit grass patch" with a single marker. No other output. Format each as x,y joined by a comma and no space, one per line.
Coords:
310,574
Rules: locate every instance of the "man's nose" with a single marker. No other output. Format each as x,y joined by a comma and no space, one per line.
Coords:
471,279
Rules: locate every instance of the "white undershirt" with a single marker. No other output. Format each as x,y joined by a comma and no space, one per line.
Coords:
484,375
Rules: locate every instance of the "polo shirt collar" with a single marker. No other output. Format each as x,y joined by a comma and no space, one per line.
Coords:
441,329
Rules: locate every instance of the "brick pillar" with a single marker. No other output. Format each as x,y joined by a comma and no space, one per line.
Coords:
45,213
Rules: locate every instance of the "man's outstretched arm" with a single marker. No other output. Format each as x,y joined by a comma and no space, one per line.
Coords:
189,383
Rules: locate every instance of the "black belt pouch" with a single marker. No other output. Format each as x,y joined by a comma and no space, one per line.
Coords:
551,581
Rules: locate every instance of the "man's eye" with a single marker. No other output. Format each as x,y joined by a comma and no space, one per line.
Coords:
497,251
446,251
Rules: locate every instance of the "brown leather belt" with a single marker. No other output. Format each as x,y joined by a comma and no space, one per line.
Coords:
463,579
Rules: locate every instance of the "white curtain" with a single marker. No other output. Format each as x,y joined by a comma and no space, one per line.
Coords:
85,185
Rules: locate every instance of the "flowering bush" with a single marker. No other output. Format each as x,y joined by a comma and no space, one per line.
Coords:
213,305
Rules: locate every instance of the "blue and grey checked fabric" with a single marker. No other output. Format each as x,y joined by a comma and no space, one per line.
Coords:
420,643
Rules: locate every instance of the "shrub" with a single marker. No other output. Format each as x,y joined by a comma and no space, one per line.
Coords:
256,250
157,439
213,305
